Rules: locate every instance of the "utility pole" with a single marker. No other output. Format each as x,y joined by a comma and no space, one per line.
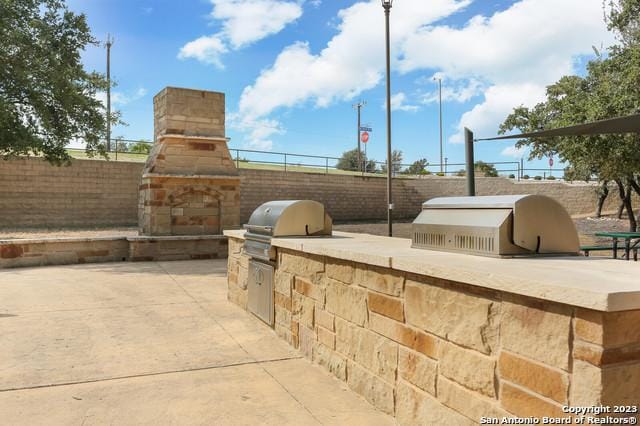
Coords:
109,43
358,107
440,117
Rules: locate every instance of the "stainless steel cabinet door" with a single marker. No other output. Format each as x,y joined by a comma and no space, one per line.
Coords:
260,288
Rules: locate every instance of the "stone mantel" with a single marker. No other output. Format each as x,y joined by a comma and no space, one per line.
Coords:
600,284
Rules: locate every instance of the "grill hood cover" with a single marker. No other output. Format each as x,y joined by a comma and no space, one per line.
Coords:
290,218
507,225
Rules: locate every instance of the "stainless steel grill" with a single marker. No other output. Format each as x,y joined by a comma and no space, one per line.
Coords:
291,218
509,225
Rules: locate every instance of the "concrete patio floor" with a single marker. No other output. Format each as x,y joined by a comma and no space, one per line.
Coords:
152,343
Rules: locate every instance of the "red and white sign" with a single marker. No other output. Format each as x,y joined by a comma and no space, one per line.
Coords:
550,162
364,137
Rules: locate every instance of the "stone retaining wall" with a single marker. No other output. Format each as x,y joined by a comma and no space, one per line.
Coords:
429,351
88,193
100,193
348,197
65,251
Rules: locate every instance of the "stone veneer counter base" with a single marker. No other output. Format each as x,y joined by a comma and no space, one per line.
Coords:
443,338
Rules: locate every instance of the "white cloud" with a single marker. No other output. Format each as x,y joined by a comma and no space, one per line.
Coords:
121,98
247,21
456,91
517,52
352,61
243,22
398,103
207,49
499,100
258,132
512,151
508,57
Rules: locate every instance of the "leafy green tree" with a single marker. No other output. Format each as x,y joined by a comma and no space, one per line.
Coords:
417,167
349,161
481,168
121,145
46,97
610,89
488,170
142,147
396,161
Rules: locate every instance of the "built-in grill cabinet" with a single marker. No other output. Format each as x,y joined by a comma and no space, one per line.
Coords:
507,225
291,218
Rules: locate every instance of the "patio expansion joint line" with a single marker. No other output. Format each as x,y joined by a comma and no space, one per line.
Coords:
292,395
231,336
159,373
304,407
102,308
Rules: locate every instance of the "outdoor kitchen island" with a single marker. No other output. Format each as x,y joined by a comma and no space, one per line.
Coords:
446,338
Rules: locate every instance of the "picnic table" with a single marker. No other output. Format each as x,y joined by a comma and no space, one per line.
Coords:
631,242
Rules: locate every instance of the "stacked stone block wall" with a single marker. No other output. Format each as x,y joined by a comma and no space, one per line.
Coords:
98,193
429,351
88,193
356,198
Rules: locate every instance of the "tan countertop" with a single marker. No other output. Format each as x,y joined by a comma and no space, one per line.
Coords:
600,284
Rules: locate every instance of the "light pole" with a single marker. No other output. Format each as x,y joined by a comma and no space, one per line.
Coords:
386,4
359,106
440,116
109,43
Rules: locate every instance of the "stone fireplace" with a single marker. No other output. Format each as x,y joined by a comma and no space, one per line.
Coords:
190,188
190,185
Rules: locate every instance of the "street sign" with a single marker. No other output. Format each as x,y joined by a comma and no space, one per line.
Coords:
550,162
365,129
364,137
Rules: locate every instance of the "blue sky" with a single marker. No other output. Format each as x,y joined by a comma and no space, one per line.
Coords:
292,69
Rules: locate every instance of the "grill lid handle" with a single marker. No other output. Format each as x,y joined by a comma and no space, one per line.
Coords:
265,229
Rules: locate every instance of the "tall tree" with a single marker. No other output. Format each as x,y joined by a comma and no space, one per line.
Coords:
396,162
349,161
47,99
486,169
418,167
610,88
141,147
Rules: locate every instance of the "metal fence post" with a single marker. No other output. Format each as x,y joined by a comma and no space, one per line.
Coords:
326,169
285,163
471,176
237,158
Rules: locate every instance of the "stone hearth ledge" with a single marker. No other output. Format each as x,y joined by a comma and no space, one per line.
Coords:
600,284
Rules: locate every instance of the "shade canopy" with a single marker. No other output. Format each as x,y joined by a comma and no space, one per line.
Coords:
628,124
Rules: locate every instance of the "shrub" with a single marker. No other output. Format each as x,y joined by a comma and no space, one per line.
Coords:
538,178
525,177
551,178
440,174
512,176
